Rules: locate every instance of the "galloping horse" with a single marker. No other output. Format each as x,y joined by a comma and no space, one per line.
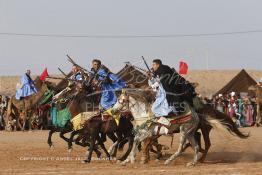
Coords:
75,102
141,112
138,103
103,124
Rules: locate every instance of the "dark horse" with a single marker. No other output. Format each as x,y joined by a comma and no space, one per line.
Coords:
80,98
101,124
76,102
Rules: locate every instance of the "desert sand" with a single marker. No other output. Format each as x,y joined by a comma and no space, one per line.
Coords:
28,153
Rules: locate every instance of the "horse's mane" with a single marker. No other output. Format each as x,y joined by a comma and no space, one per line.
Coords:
141,95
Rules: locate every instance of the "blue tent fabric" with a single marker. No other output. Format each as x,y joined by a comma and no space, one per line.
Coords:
108,96
28,88
160,107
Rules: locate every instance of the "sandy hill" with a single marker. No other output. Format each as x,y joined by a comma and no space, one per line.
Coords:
209,81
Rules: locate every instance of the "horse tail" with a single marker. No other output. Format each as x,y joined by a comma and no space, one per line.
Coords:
221,121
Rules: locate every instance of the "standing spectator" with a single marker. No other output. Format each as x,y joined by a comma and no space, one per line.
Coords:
248,112
254,104
2,109
240,108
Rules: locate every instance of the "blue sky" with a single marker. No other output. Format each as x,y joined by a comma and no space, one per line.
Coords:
136,17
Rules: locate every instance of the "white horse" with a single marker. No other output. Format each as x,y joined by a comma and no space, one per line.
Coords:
147,130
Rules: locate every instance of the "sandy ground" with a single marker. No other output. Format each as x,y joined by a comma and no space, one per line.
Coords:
28,153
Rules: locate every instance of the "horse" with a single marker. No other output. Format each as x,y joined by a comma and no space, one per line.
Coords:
78,98
140,109
106,124
76,102
26,105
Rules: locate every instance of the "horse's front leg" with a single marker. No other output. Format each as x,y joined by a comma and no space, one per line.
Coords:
130,146
179,150
113,147
49,140
70,142
101,143
23,127
145,151
91,148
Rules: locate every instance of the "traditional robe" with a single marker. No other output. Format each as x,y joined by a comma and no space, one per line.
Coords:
176,87
160,107
27,87
110,84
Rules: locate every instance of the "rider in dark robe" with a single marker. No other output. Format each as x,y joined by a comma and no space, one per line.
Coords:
176,87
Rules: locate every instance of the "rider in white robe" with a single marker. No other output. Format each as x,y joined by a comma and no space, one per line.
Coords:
160,107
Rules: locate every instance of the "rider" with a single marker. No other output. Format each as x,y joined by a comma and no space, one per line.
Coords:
26,87
109,83
77,75
177,89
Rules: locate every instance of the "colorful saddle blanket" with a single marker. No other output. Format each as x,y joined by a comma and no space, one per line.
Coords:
79,120
60,118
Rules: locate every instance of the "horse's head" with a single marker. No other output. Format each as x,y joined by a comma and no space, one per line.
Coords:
122,103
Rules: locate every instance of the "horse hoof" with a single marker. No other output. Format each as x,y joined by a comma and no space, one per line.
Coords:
190,164
112,158
51,147
157,160
85,161
123,163
70,150
167,162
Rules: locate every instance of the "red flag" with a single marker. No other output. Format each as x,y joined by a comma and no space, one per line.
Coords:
183,67
44,75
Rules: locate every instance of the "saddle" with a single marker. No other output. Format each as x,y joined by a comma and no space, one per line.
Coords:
175,119
109,115
79,120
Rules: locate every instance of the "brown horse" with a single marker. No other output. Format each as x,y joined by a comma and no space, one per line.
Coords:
101,124
26,104
76,102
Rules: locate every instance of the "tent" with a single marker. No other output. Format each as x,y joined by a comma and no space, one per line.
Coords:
239,84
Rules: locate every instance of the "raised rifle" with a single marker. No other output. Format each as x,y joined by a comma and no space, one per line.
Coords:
62,72
149,70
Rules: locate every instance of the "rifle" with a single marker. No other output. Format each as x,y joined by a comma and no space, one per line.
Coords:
139,68
150,71
75,64
58,78
85,70
62,72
